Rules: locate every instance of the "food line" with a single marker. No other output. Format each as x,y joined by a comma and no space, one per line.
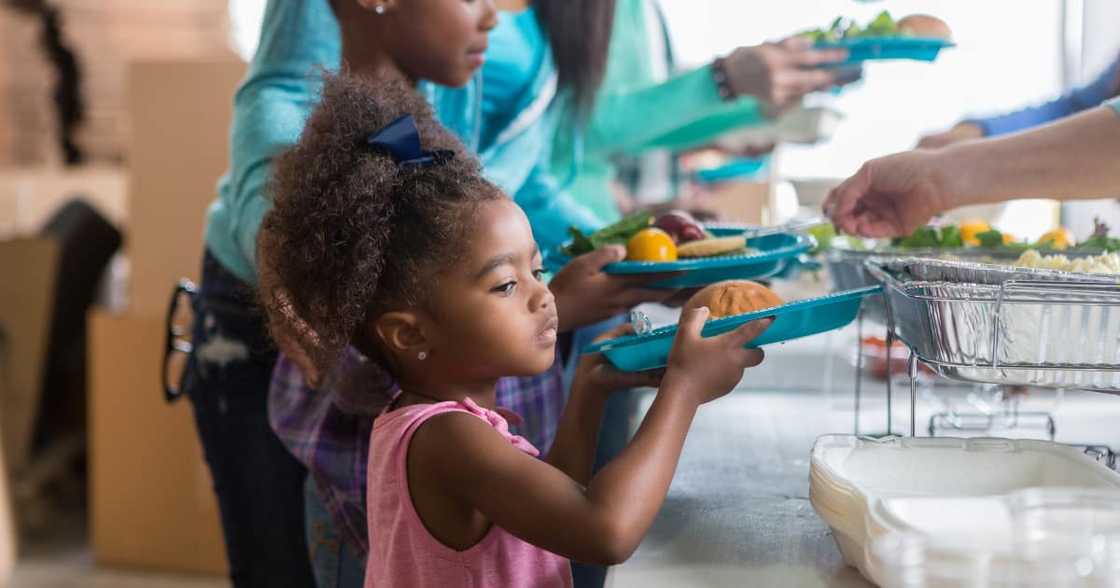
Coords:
966,302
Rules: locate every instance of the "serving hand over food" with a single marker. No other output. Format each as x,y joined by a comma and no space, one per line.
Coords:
893,195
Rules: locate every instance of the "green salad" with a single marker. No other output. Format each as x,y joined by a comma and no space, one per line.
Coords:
615,234
968,236
843,29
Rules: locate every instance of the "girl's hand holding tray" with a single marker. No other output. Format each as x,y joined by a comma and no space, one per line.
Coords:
733,304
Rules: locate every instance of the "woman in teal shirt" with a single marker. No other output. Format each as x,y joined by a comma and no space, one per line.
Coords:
636,110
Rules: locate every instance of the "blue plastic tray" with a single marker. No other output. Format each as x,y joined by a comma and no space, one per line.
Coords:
860,50
776,253
635,353
739,168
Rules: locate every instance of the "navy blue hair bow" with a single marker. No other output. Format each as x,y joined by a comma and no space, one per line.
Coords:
401,140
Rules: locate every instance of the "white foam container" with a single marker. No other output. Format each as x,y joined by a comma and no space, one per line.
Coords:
948,487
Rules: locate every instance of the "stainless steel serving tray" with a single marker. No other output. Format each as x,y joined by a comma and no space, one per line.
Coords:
846,266
993,324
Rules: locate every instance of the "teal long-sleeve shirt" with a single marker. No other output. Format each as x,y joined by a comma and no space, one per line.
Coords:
634,112
512,134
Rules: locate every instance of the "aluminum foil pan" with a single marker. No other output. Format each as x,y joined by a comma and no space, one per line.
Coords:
962,271
1057,334
846,266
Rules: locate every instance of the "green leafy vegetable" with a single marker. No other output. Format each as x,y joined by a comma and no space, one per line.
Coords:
617,233
884,25
824,233
922,238
841,29
990,239
1099,240
951,237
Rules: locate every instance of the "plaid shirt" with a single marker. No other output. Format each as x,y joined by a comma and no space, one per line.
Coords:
329,433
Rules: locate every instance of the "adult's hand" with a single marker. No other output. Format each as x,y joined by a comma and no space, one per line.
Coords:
964,131
779,74
585,295
890,196
1072,159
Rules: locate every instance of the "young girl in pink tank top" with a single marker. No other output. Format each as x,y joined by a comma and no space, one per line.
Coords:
385,236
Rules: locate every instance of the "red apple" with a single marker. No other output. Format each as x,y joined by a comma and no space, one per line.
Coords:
681,226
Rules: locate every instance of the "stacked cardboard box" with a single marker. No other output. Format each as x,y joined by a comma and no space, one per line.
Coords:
151,496
106,36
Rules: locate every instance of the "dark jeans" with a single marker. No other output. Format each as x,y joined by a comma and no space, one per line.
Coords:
258,483
336,563
613,438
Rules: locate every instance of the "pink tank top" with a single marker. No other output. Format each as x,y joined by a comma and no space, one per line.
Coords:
402,554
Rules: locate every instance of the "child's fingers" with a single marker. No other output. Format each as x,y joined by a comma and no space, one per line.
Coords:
748,358
616,332
650,379
748,332
692,323
596,260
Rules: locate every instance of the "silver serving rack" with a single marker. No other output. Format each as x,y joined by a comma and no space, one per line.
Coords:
1005,326
847,268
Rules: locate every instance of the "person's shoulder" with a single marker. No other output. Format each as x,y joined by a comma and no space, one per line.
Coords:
269,119
454,425
454,438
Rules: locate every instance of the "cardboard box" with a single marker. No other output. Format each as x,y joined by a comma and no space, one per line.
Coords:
26,301
7,525
181,115
151,496
153,504
739,201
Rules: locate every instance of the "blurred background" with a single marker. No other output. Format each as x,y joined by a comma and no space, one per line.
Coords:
114,118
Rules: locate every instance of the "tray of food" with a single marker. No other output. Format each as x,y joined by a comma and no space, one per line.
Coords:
994,324
1031,265
918,37
732,304
970,241
696,254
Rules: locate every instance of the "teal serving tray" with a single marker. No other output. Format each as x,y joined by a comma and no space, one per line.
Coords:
635,353
775,254
743,167
875,48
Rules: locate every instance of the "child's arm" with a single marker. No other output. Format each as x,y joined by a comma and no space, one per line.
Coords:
573,450
605,522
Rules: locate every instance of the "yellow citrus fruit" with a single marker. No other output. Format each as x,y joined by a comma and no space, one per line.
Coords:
970,229
651,245
1059,238
1008,238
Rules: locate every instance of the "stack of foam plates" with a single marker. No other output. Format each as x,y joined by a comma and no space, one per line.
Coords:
953,489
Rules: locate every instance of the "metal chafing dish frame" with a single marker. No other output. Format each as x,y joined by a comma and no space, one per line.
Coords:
1002,359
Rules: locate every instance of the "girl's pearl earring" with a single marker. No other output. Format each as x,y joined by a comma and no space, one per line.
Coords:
422,355
379,9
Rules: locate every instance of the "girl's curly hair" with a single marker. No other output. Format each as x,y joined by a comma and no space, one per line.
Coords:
351,234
